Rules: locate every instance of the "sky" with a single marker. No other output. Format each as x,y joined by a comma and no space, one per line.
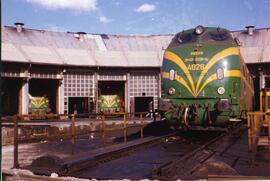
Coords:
135,16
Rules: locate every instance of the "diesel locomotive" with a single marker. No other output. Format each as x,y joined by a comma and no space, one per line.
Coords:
204,81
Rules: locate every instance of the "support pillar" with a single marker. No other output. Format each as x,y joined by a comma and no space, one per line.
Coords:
262,80
127,94
24,97
95,89
60,98
159,83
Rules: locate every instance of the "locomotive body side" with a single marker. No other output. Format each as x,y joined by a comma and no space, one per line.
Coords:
204,80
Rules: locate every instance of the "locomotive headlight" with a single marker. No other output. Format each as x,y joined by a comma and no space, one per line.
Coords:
172,91
199,29
221,90
220,73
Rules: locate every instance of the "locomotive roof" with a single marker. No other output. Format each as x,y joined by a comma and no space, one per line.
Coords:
206,29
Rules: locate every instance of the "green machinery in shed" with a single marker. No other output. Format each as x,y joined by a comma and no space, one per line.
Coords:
39,105
109,103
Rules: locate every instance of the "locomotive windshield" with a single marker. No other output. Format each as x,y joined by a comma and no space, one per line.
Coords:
182,38
220,35
186,38
213,35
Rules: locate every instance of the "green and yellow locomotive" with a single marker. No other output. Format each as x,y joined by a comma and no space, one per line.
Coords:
205,81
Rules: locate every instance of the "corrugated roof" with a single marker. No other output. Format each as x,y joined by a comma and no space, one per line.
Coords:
43,55
143,59
255,48
78,57
110,59
47,47
10,53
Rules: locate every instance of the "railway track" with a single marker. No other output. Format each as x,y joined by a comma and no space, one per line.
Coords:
69,166
133,161
199,163
140,163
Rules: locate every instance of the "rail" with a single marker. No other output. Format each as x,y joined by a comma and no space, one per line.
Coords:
73,133
185,167
255,122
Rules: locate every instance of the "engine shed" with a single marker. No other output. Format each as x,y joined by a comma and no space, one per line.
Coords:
59,72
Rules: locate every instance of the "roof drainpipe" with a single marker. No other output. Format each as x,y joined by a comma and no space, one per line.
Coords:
250,30
19,26
81,35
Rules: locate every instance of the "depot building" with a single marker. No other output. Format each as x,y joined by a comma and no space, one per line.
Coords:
73,70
